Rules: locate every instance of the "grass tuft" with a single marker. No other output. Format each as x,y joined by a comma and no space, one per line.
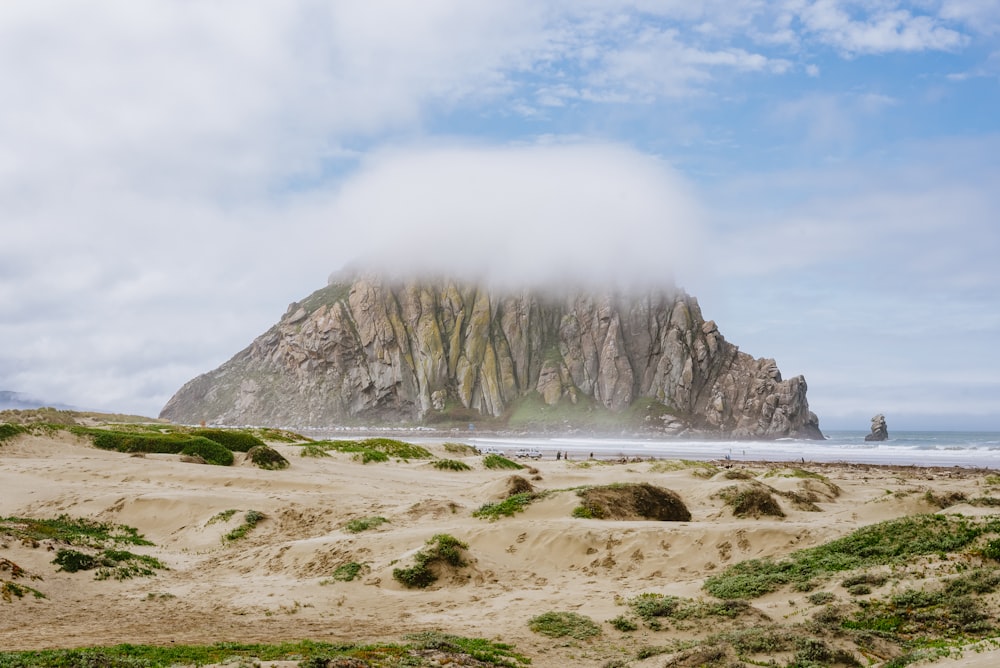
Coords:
564,624
364,524
10,431
266,457
752,500
515,503
451,465
631,501
441,549
500,462
883,544
251,519
347,572
369,449
460,449
232,439
450,650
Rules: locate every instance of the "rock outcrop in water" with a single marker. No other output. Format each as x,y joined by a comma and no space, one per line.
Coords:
432,351
880,431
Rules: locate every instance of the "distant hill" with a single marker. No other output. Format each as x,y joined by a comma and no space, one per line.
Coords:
368,350
18,401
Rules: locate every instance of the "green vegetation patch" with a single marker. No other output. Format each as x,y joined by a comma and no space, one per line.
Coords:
109,564
460,449
223,516
364,524
98,543
236,440
886,543
751,500
313,450
251,519
651,608
925,615
69,530
347,572
425,649
375,449
272,435
266,457
976,581
508,507
945,500
10,431
451,465
697,468
500,462
212,452
171,442
623,624
564,624
441,549
821,598
631,501
9,590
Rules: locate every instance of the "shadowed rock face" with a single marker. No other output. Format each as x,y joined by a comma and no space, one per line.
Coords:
371,349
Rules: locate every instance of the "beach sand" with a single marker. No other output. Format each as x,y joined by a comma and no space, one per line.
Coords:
275,584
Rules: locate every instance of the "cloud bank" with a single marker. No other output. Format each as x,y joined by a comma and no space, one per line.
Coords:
538,215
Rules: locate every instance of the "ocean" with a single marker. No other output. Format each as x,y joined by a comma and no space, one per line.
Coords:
909,448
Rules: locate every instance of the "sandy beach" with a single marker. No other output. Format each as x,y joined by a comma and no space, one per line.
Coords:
276,583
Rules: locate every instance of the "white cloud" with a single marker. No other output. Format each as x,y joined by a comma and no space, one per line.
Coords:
591,214
981,16
883,30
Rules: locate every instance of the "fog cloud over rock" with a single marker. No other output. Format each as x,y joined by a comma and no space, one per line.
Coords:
540,215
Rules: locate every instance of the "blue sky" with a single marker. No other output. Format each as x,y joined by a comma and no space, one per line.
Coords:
822,175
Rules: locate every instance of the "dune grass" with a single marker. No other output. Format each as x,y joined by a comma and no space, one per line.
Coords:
347,572
71,531
360,524
882,544
369,449
515,503
266,457
564,624
500,462
309,654
108,564
236,440
171,442
99,550
10,431
250,520
451,465
440,549
460,449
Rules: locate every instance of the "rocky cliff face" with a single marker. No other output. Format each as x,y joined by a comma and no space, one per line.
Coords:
369,349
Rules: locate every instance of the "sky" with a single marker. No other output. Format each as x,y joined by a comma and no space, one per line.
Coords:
823,175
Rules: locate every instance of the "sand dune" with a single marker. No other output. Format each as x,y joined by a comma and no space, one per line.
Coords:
275,584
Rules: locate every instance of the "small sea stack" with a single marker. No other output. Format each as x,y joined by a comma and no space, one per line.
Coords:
879,430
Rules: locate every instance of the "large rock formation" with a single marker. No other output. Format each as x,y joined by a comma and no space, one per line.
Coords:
880,431
368,349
